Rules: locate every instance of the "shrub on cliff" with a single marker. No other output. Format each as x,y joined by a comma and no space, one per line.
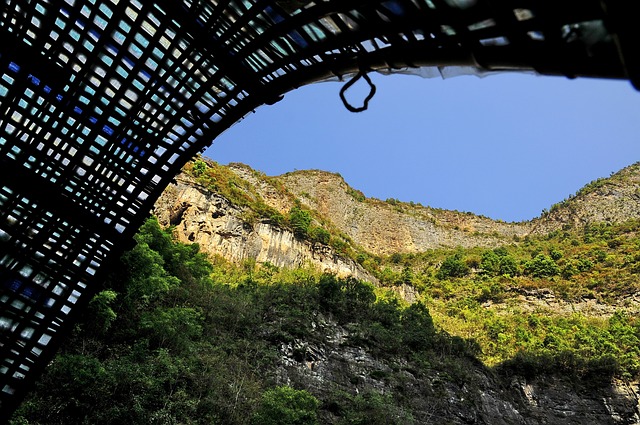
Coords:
300,220
318,234
453,266
541,266
287,406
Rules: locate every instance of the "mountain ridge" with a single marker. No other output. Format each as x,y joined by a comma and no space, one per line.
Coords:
614,199
257,206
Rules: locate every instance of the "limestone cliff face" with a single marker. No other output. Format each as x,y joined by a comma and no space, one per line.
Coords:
206,218
222,228
384,228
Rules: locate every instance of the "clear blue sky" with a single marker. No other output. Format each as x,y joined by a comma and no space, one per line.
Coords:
505,146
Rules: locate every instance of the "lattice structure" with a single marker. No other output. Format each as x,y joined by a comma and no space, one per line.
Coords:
103,101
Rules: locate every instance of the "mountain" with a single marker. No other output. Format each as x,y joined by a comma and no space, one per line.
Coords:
574,266
468,320
228,211
240,214
244,221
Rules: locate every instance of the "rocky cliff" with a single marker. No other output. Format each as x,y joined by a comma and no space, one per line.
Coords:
386,227
606,200
211,220
203,214
481,397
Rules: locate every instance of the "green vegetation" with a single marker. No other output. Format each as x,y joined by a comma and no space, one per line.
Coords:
356,194
598,262
452,266
285,406
241,193
541,266
476,293
175,339
225,182
498,262
300,221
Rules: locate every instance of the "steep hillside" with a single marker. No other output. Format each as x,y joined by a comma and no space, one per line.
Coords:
172,339
233,232
387,227
479,276
606,200
241,214
470,321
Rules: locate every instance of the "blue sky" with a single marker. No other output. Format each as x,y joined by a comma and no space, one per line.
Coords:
505,146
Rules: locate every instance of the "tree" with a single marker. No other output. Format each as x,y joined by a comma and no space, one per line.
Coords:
541,266
508,266
101,312
490,262
555,254
498,262
173,327
147,277
418,331
199,168
300,220
330,293
453,266
359,297
318,234
287,406
407,276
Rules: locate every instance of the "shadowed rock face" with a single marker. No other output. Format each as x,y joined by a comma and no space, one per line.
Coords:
330,362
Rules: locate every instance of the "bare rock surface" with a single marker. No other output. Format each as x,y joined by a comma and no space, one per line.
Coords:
384,228
612,200
206,218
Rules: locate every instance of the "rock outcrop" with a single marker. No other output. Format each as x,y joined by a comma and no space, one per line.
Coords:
612,200
374,226
204,217
387,227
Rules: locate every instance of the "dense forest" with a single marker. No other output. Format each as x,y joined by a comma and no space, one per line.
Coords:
177,337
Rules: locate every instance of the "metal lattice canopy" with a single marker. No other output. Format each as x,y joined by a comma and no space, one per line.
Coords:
103,101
